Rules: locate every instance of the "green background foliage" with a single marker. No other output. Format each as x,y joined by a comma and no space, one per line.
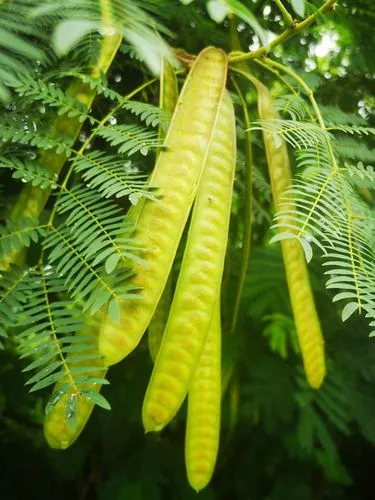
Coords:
279,439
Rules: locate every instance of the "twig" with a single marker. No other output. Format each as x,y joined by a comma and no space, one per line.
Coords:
289,21
291,31
248,210
306,88
283,81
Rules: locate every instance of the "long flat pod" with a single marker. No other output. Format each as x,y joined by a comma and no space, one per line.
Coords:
203,416
176,176
199,280
306,319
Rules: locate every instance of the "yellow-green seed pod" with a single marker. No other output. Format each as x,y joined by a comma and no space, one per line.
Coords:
204,404
176,176
57,429
199,281
306,319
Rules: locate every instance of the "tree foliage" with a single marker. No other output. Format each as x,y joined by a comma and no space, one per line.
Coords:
80,130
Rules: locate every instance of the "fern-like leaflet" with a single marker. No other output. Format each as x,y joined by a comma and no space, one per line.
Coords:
349,148
49,328
112,176
130,139
331,215
333,115
11,132
83,277
100,85
148,113
13,294
362,175
293,105
352,129
300,135
34,90
17,49
18,234
99,225
28,170
327,209
319,411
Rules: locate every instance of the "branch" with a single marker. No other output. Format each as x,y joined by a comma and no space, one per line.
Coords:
291,31
305,87
286,16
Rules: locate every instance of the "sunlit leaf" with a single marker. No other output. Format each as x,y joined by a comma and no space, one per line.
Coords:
69,32
349,309
217,10
298,7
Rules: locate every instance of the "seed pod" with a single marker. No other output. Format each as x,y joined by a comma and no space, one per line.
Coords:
199,280
58,432
176,175
203,417
306,319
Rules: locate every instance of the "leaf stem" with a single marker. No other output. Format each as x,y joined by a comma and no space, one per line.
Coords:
304,85
248,209
289,21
